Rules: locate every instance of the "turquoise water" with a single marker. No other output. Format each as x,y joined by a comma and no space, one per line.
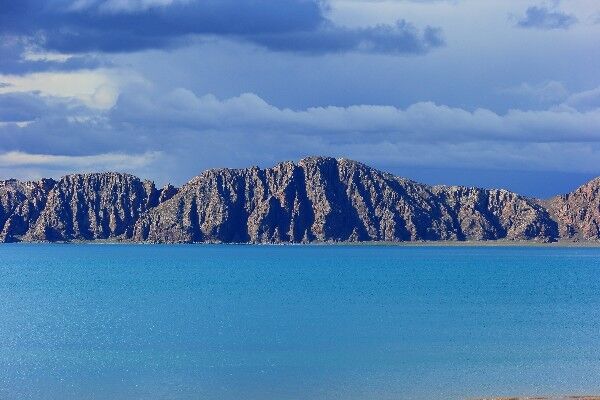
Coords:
297,322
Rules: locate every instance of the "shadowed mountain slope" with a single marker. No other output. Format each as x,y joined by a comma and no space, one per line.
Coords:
324,199
20,206
93,206
318,199
578,212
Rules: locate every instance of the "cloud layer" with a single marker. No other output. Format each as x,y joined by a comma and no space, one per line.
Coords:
182,132
17,56
541,17
125,25
98,161
166,88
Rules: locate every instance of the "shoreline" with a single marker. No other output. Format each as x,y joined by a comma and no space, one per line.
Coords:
450,243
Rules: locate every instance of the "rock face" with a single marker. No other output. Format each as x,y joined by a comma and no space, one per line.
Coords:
324,199
318,199
93,206
20,206
578,213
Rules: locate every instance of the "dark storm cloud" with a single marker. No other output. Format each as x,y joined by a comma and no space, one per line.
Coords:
31,106
124,26
329,38
540,17
16,107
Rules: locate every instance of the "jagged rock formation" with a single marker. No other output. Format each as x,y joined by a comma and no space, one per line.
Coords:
578,213
20,206
93,206
324,199
319,199
166,193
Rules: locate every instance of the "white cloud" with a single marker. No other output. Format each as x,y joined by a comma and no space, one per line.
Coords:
586,100
191,133
99,161
420,122
19,124
135,5
32,55
97,89
121,5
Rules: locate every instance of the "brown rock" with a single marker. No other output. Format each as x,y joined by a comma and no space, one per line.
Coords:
324,199
578,212
93,206
318,199
20,205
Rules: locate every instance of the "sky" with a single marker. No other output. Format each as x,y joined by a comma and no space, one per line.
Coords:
498,93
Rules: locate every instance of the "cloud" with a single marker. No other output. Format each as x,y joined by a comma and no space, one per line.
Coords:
19,55
129,5
541,17
399,38
96,89
585,100
552,92
424,121
22,107
110,161
176,134
123,26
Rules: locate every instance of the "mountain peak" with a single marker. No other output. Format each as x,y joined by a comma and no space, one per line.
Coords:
327,199
578,212
317,199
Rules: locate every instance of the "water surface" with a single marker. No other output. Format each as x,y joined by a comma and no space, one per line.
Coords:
297,322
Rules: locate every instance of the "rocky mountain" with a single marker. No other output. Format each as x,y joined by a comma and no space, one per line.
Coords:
21,203
318,199
94,206
324,199
578,213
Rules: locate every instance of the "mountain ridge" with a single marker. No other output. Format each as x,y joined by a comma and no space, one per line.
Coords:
317,199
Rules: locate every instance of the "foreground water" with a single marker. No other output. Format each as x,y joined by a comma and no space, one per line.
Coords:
297,322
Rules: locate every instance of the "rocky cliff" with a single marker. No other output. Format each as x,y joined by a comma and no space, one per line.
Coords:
20,206
324,199
578,213
318,199
93,206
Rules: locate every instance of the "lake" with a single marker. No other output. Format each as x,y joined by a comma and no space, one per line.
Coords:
297,322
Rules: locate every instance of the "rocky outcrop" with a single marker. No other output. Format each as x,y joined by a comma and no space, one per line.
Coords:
166,193
318,199
324,199
578,213
496,214
93,206
20,206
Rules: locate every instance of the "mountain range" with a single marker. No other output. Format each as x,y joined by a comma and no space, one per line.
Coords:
318,199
